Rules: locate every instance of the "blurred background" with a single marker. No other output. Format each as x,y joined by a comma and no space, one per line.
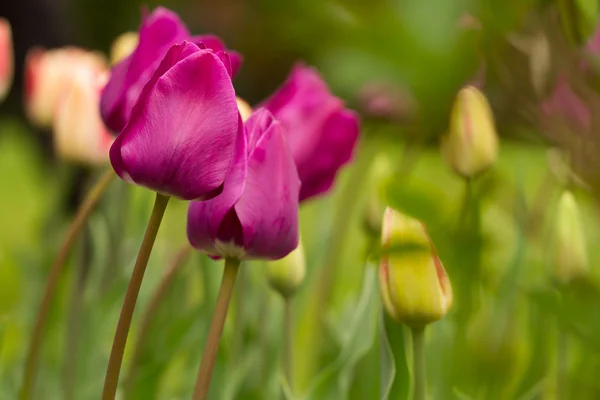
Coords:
399,63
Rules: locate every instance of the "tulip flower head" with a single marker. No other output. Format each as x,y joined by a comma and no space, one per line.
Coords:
415,289
570,250
321,132
181,135
471,145
79,133
123,46
6,58
49,72
159,31
256,216
287,274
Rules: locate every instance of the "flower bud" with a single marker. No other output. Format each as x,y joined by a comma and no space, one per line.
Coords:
414,287
6,58
244,109
471,145
287,274
570,253
123,46
79,133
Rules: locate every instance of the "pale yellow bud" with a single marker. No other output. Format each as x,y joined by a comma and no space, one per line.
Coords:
79,133
414,287
287,274
471,145
570,250
123,46
244,109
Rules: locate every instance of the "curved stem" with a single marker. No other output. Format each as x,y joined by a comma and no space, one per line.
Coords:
120,340
155,301
288,342
216,329
419,372
56,270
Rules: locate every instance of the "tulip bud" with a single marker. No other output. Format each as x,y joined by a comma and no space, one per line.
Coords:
471,145
414,287
244,109
6,58
287,274
79,133
123,46
570,254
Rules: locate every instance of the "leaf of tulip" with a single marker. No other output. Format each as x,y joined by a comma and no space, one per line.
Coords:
335,380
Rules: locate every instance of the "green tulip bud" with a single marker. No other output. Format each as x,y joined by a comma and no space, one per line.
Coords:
287,274
415,289
471,145
570,253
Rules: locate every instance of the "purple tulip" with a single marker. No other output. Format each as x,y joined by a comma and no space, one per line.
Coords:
181,135
321,133
256,216
159,31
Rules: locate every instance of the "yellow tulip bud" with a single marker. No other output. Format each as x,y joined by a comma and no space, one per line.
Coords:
570,253
471,145
415,289
287,274
244,109
123,46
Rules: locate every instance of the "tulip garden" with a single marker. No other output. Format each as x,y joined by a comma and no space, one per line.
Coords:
409,213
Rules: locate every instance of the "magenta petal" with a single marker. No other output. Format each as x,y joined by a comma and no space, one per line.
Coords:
181,135
335,149
268,207
320,132
159,30
206,217
216,44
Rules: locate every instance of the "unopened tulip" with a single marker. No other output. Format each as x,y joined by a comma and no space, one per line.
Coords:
415,289
256,216
570,250
159,31
471,145
123,46
79,133
181,136
49,72
6,58
321,132
244,109
287,274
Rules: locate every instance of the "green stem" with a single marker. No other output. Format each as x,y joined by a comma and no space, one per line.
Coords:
74,319
56,270
419,372
562,355
216,329
151,310
120,340
288,342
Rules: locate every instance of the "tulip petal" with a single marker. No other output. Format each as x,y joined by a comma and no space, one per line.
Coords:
215,44
336,147
181,134
268,207
205,217
158,32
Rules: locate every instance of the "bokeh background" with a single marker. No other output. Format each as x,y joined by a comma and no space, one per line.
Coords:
399,63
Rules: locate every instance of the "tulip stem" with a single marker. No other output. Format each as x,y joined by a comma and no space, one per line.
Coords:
146,321
56,270
288,355
120,340
419,372
216,329
561,364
